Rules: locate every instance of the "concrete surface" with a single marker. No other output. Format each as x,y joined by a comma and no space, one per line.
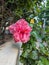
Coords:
8,54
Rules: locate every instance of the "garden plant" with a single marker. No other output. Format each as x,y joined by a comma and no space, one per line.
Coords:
34,14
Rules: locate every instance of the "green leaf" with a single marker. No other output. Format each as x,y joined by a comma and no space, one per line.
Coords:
33,55
36,35
26,53
44,61
22,59
43,49
40,63
33,44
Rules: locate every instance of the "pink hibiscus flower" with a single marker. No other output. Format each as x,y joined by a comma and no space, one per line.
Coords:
21,31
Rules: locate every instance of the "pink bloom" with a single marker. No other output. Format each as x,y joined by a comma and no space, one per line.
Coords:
12,28
21,31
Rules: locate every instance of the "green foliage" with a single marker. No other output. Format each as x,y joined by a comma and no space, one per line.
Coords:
23,9
36,51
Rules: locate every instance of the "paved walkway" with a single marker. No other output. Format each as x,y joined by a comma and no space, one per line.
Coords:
8,54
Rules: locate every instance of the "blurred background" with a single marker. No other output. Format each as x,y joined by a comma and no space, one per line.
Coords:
12,10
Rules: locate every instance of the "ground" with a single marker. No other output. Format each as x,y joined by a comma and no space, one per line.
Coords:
8,53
